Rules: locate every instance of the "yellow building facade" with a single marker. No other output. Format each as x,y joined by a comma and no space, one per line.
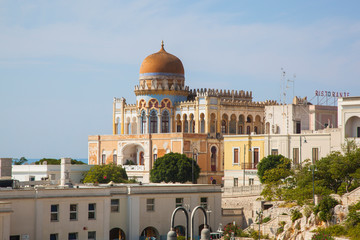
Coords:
242,155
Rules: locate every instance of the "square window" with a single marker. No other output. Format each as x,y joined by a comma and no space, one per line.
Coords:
73,212
73,236
236,182
54,213
91,212
179,202
54,236
92,235
115,205
204,202
150,204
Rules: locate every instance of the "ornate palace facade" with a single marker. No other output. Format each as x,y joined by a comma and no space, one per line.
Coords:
170,117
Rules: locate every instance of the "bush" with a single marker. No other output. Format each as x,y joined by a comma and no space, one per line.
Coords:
335,230
295,215
324,208
105,174
231,228
322,236
265,220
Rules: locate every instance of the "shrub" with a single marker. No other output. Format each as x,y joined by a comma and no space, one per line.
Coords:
324,208
322,236
265,220
295,215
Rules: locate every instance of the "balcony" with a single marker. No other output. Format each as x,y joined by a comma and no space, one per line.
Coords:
134,168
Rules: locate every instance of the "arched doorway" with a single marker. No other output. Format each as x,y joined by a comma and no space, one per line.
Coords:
352,127
149,233
117,234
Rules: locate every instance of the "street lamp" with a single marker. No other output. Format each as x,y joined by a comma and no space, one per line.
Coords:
205,232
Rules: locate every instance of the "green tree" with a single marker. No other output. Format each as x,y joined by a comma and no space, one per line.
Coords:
277,180
268,163
174,167
21,161
105,174
53,161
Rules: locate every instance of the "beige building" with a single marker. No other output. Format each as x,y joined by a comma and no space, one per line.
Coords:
104,212
168,116
349,118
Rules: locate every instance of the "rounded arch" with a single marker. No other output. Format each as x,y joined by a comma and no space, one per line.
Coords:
153,121
149,232
165,121
131,152
117,234
185,123
178,123
166,103
241,124
141,104
192,123
249,118
224,124
202,123
232,125
352,127
153,103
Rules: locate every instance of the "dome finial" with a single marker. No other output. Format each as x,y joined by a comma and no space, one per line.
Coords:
162,43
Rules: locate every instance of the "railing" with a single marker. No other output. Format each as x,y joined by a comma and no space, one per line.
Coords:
243,190
134,167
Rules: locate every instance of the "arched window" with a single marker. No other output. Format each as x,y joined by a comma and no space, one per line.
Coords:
256,129
178,123
232,129
213,123
202,123
143,122
213,159
153,122
248,130
186,124
223,126
165,122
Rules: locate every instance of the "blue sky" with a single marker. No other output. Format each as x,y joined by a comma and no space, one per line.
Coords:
63,62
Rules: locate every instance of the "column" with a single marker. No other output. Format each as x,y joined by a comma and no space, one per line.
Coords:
159,123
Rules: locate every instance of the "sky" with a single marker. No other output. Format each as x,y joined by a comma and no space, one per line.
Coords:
63,62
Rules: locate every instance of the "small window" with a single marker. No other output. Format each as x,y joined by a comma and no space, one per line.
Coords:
54,236
251,181
315,154
298,127
155,157
274,152
115,205
31,178
236,182
179,202
92,209
204,202
73,236
54,213
73,212
358,132
150,204
92,235
295,156
15,237
103,159
235,156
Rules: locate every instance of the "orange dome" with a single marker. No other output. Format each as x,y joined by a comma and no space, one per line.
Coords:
161,62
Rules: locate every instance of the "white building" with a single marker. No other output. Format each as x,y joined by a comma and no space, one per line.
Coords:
349,117
107,212
25,173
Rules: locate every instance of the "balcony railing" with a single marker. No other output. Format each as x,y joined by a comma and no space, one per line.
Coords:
130,168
